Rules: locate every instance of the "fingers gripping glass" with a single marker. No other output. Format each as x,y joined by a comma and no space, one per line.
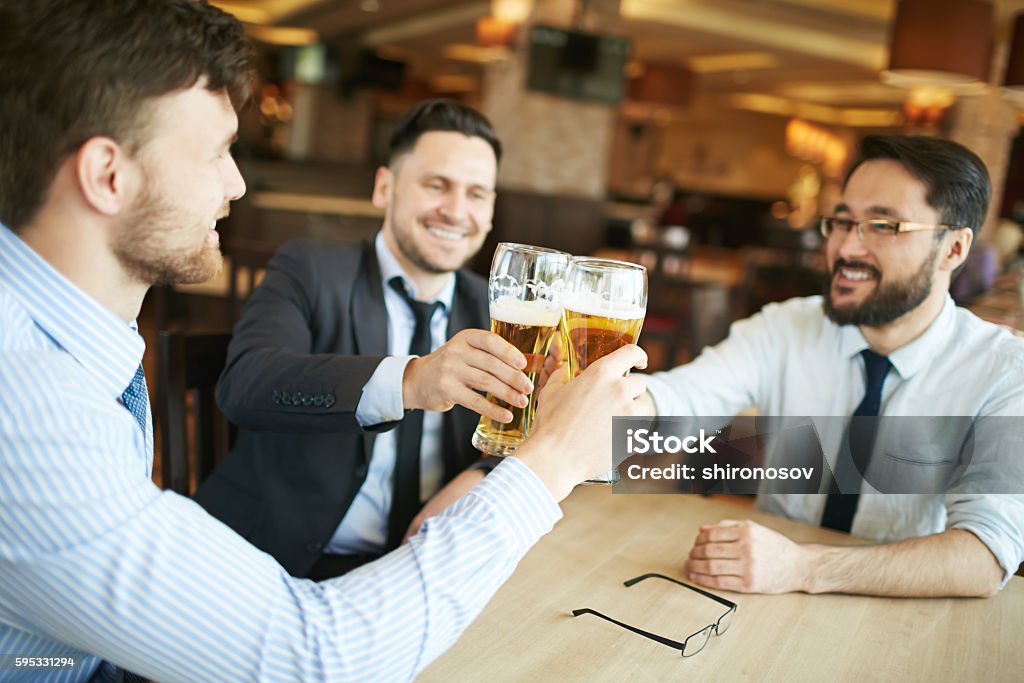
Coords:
875,228
693,643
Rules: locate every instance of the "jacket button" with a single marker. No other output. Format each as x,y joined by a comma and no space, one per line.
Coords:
314,546
329,400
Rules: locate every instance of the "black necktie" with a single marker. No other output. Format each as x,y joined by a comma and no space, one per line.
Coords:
852,462
405,502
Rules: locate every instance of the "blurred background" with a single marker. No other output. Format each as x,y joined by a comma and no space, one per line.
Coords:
699,137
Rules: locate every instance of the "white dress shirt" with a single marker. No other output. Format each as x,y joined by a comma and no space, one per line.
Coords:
790,360
364,527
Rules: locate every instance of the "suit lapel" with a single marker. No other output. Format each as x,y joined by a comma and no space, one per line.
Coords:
369,314
369,317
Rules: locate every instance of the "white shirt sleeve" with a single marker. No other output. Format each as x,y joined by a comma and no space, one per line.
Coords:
381,400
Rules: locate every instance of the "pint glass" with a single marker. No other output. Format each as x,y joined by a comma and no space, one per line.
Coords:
605,303
524,293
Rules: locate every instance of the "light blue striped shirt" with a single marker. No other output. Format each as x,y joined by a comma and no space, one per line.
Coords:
99,564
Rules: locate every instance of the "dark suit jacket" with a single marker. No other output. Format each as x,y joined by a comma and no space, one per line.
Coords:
309,339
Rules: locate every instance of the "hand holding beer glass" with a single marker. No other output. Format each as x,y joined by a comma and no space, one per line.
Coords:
605,304
524,293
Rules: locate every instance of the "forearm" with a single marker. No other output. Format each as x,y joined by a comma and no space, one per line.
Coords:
240,617
947,564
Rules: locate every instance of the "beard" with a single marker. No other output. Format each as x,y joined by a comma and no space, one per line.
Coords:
889,302
154,243
411,251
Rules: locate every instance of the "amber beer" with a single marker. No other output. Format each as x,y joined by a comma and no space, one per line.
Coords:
529,326
604,310
590,336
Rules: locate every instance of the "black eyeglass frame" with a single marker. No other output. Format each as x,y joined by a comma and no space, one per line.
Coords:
898,227
674,644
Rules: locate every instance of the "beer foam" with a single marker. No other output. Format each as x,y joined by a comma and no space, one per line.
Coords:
594,304
539,313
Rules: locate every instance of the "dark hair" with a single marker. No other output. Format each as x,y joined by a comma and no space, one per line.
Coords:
440,115
71,70
957,182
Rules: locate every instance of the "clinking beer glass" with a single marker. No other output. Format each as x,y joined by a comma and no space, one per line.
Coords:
524,292
605,304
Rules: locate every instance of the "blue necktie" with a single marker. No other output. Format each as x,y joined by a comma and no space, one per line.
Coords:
405,502
853,462
136,398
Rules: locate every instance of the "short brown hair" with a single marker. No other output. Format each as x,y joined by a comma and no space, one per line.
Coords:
71,70
440,115
956,179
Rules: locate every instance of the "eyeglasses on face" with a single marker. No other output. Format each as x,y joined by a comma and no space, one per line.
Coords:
696,641
875,229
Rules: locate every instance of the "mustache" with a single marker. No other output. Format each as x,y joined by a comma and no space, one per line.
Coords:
843,263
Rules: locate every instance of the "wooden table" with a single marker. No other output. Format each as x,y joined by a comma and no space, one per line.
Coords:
527,634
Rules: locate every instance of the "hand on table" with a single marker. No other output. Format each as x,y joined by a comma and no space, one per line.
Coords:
455,489
746,557
471,361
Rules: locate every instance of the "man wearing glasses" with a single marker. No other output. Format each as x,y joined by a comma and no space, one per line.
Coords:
885,339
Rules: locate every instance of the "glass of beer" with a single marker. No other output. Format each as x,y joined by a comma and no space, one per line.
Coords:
525,298
605,303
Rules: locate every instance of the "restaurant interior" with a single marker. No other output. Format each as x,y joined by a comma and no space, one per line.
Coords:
700,138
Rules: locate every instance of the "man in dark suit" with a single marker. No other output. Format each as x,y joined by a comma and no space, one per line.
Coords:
342,342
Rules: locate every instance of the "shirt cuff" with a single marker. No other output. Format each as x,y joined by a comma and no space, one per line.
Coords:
998,522
519,498
381,400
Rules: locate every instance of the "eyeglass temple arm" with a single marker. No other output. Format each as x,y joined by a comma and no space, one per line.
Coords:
676,645
652,575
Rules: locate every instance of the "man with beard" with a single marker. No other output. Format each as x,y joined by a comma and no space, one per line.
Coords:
886,339
116,118
321,367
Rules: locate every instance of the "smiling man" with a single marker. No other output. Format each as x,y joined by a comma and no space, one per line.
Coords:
115,121
885,339
329,356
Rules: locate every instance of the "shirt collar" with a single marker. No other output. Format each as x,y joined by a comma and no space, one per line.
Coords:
390,268
103,343
910,358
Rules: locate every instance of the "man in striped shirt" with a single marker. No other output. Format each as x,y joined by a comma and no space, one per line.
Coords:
115,122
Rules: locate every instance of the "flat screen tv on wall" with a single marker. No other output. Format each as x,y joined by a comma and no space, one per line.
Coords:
577,65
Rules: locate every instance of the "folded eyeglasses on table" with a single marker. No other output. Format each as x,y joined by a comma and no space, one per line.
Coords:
696,641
